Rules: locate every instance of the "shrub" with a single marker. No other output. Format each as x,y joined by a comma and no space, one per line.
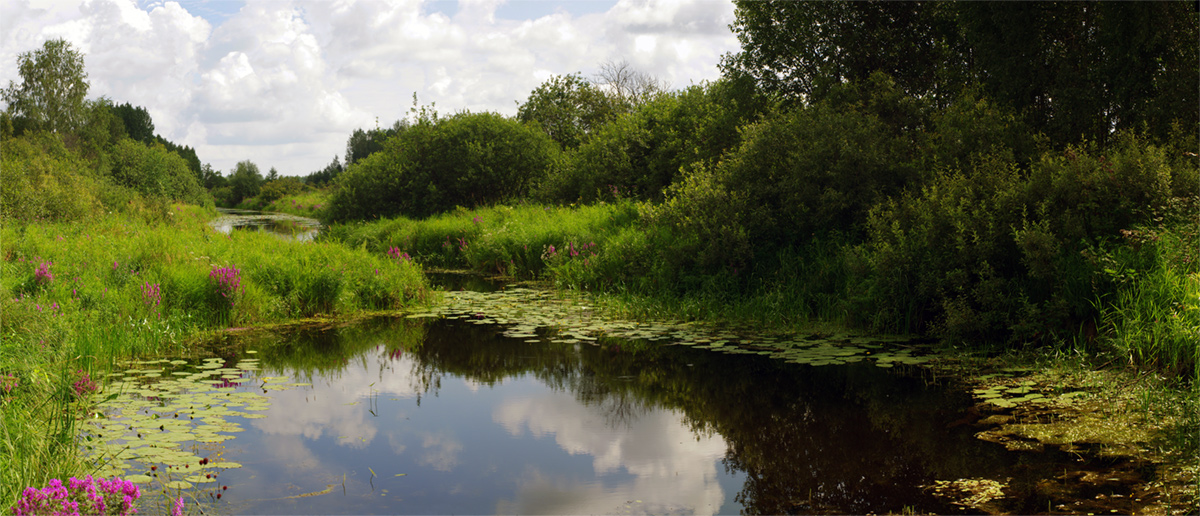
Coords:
468,159
637,155
41,179
994,254
154,171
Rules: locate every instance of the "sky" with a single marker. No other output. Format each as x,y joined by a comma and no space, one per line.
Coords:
283,83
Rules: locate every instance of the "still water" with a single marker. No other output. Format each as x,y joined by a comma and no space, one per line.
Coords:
283,225
441,416
513,400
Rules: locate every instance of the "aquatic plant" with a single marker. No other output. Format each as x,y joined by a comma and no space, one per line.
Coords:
87,495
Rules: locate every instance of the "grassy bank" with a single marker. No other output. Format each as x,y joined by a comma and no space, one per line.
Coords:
1144,287
76,297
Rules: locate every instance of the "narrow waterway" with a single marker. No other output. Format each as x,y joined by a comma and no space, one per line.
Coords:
494,405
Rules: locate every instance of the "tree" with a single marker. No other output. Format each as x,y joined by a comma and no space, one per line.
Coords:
568,108
326,174
468,159
138,124
364,143
245,181
628,85
52,90
211,178
1087,70
272,175
800,49
1073,70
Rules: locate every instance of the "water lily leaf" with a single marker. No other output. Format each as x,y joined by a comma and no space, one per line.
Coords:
177,484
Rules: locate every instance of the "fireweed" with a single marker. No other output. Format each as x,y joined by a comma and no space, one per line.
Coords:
80,496
395,252
151,294
228,281
43,276
83,385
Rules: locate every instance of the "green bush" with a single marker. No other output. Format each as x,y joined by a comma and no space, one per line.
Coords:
1000,254
154,171
41,179
469,159
638,154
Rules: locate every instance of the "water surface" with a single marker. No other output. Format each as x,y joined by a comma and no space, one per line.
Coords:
436,416
283,225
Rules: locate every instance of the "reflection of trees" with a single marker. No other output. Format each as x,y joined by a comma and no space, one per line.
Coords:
850,439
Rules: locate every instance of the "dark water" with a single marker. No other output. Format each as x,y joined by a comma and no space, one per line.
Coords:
477,423
288,227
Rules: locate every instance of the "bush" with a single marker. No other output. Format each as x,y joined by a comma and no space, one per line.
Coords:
154,171
40,179
465,160
637,155
279,188
994,254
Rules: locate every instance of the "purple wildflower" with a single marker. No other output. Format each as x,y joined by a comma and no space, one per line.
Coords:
43,276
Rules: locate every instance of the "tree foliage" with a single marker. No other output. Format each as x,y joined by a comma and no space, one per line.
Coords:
1075,70
52,90
365,143
568,108
245,182
801,49
154,171
138,124
467,159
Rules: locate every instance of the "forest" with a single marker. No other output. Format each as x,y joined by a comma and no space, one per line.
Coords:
997,177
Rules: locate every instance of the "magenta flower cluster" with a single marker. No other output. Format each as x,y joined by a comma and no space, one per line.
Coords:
395,252
79,496
228,281
8,383
43,276
84,384
151,294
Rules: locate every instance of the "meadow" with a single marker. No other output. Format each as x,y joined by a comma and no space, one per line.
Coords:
80,296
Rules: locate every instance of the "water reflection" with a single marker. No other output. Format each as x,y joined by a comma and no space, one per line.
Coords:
288,227
435,417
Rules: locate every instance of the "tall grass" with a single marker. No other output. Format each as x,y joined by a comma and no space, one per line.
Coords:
1153,319
305,204
77,297
513,240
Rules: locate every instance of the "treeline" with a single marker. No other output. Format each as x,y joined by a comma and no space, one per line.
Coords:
985,172
67,158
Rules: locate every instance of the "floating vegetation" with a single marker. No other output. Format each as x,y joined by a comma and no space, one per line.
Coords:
539,316
973,493
166,422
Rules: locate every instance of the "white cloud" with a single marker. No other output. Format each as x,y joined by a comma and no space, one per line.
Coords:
283,83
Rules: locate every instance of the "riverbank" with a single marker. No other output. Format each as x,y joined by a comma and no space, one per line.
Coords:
77,297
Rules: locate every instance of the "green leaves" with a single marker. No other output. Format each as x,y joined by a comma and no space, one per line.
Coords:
53,87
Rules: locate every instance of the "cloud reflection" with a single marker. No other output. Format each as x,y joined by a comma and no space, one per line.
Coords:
673,469
338,408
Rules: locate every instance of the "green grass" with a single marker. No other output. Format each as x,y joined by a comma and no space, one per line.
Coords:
512,240
121,287
1153,320
306,204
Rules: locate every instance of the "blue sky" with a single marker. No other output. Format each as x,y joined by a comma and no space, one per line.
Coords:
284,82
